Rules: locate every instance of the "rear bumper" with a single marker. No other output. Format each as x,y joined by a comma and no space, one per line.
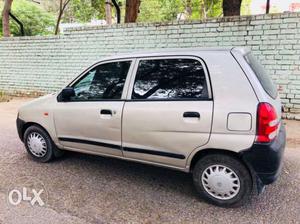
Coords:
265,160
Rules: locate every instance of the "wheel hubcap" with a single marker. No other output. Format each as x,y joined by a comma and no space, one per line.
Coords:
220,182
37,144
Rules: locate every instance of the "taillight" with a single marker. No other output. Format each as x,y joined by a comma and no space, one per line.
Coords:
267,123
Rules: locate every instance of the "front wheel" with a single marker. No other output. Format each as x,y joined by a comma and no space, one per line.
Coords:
222,180
39,144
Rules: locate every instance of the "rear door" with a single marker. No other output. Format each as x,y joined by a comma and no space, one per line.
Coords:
169,110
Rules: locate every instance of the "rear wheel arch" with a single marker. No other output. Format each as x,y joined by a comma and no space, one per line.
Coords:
223,180
202,153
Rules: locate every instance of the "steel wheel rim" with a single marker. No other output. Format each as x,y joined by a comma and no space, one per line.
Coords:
221,182
37,144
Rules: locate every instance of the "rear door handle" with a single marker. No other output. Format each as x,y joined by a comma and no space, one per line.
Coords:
191,114
106,112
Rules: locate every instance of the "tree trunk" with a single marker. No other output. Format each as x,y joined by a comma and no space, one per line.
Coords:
188,8
118,10
62,7
232,7
5,18
132,10
203,12
108,12
268,7
58,22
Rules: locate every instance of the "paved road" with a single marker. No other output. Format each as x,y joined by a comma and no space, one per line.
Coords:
88,189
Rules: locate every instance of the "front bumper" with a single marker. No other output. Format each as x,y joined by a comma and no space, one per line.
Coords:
20,125
265,160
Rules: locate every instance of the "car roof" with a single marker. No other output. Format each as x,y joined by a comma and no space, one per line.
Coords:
170,51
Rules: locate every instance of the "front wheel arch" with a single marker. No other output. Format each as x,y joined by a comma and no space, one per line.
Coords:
57,151
29,124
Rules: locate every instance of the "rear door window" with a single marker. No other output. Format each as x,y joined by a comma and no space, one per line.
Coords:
167,79
261,74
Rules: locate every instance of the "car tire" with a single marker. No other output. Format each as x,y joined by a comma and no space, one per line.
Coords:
39,145
222,180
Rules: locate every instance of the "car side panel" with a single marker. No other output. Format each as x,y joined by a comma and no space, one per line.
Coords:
40,111
232,93
257,87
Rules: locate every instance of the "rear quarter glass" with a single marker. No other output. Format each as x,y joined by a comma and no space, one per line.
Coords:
261,74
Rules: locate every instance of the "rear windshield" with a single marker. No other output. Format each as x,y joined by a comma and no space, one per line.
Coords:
264,79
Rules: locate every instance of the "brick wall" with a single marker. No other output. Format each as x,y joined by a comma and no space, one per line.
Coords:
45,64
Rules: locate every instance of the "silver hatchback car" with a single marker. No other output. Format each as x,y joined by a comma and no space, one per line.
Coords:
212,112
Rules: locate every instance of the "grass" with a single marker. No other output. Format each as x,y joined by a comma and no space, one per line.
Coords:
4,97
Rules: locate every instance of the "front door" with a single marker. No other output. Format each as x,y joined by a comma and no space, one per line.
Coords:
91,120
169,110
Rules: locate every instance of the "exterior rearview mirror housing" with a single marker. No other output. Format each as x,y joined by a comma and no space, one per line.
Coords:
67,93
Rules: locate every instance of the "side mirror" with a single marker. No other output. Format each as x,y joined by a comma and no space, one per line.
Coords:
67,93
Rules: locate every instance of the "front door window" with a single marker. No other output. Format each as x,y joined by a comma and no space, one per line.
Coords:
103,82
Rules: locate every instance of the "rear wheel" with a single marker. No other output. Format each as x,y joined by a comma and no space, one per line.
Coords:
222,180
39,144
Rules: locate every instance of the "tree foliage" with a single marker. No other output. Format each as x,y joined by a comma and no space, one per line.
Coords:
149,10
246,7
85,10
77,10
203,9
35,19
168,10
40,19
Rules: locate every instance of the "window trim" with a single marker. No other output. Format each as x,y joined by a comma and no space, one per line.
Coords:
86,72
134,72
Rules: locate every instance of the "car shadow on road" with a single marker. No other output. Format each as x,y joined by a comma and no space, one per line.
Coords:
134,172
136,180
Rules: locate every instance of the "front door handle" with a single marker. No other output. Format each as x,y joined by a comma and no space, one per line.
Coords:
191,114
106,112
